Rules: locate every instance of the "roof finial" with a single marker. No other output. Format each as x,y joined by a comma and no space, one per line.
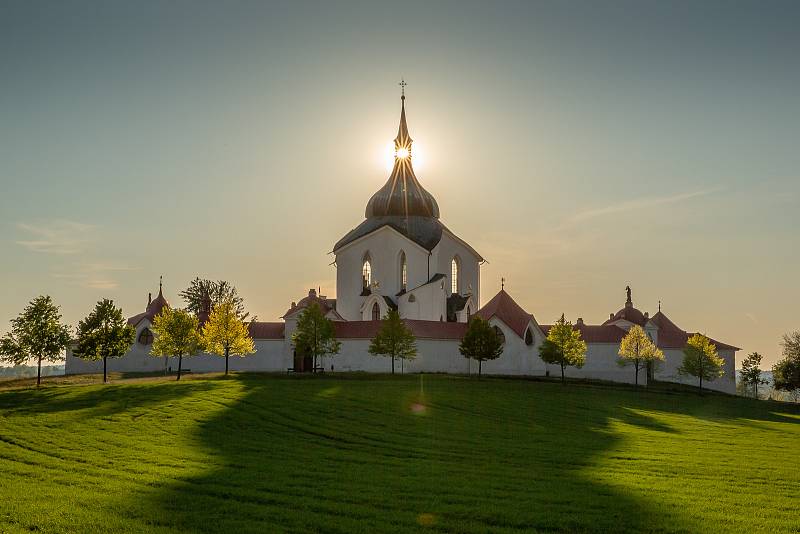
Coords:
502,284
628,302
402,85
659,305
160,283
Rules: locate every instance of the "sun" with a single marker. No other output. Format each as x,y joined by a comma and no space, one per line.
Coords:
402,153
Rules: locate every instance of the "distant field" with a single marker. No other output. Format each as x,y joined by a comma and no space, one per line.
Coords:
264,453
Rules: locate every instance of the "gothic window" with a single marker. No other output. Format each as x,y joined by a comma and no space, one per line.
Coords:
366,273
454,268
528,337
500,335
146,337
403,271
376,312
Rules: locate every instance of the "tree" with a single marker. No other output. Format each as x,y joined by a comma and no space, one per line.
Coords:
786,373
481,342
751,373
225,333
700,359
394,339
563,346
638,349
36,333
104,334
202,293
315,333
176,334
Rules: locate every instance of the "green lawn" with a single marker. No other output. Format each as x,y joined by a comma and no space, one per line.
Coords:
269,453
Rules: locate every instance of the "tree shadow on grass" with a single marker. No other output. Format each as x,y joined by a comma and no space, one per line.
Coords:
370,456
255,453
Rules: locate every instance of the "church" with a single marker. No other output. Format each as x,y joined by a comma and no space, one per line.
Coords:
402,257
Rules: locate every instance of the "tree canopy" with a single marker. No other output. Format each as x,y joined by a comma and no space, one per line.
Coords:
225,334
394,339
315,334
176,334
751,373
103,334
563,346
638,349
786,373
481,342
700,359
37,333
201,293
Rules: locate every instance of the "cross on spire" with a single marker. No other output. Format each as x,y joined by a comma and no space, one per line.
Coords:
659,305
402,85
502,283
160,282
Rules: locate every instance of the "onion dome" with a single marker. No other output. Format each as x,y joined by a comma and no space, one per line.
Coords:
402,195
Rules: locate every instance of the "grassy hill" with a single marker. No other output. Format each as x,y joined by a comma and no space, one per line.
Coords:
268,453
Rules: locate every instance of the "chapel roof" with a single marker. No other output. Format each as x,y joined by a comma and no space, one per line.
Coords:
325,304
507,310
628,313
154,307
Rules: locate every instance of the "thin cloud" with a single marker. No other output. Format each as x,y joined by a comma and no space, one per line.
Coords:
95,275
56,236
637,204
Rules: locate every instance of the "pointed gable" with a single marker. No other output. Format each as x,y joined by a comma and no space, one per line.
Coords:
507,310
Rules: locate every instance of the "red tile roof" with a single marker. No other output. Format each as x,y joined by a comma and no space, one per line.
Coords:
595,333
325,304
630,314
671,336
153,308
504,308
266,330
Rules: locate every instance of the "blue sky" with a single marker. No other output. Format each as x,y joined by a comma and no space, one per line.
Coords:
579,146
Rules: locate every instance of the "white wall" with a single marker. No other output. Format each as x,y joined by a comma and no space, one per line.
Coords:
384,246
673,358
469,273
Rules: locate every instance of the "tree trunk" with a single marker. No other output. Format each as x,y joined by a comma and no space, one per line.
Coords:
563,380
392,364
637,375
701,383
39,373
479,368
226,361
105,374
180,361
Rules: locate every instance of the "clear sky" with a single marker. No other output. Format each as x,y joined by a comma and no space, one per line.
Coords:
578,146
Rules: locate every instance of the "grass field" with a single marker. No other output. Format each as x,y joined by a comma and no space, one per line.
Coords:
268,453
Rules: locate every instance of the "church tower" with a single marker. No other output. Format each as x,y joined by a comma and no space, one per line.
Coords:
401,256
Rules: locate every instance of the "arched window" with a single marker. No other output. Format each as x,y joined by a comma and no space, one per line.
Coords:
146,337
528,337
403,271
500,335
376,312
454,268
366,273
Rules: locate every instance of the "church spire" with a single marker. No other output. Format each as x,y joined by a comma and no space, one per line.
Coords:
402,195
403,140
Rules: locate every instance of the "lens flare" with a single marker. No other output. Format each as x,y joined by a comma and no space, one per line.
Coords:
402,153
